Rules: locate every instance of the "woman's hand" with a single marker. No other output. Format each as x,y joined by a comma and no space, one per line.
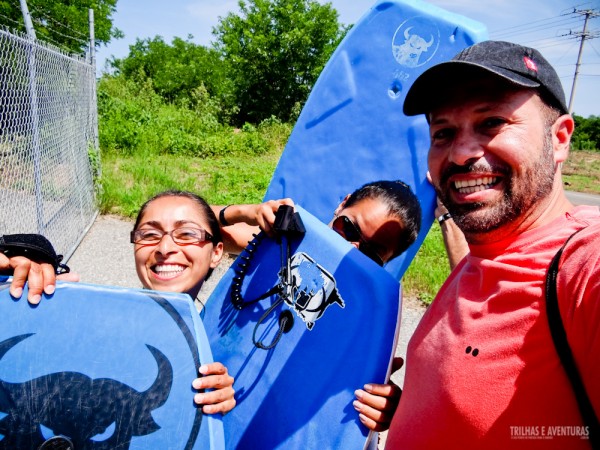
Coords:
40,278
221,399
264,213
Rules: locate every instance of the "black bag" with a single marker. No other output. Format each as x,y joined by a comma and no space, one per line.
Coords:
34,247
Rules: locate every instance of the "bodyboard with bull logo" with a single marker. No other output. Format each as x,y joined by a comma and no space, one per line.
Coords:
345,310
352,130
99,367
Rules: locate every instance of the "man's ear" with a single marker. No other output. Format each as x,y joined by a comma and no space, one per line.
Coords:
562,130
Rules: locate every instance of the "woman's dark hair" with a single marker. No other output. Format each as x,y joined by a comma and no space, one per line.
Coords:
401,202
204,207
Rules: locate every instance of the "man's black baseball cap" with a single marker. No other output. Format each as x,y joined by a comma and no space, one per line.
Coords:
519,65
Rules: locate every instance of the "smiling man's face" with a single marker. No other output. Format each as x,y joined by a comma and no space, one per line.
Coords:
491,157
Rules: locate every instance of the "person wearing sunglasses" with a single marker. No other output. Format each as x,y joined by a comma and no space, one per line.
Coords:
382,219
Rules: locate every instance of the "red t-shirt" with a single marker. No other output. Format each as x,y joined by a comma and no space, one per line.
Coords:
481,368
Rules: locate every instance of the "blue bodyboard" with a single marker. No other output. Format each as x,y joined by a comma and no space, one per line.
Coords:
104,368
352,129
344,316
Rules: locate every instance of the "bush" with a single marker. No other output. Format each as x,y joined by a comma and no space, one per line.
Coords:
587,133
135,119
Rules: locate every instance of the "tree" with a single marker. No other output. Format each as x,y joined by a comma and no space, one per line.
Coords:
587,133
276,49
64,23
175,71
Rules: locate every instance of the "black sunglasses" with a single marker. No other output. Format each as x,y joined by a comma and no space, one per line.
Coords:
343,226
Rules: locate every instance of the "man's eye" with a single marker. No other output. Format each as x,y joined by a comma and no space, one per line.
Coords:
444,133
493,122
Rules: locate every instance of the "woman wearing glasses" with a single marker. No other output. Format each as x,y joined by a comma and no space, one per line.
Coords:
194,248
177,244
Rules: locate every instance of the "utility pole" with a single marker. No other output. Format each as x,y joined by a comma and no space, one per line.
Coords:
588,13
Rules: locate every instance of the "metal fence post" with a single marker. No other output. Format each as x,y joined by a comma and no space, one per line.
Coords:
35,127
93,88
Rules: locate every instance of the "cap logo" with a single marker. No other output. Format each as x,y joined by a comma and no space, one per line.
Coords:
530,64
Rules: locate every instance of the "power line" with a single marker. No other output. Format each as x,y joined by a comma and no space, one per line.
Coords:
528,24
567,21
592,44
543,25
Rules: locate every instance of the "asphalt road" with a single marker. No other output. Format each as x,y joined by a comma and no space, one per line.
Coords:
581,198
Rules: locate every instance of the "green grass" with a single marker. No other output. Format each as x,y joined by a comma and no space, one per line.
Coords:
149,145
429,269
128,181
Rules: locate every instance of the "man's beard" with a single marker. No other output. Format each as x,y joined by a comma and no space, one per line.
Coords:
519,196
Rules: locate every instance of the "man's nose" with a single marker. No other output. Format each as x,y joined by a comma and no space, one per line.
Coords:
465,149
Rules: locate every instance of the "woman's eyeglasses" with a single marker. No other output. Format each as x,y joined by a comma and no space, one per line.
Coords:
343,226
181,236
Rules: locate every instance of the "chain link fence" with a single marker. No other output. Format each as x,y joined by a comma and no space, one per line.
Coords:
49,154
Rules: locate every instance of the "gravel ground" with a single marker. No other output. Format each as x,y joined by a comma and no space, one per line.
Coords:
105,256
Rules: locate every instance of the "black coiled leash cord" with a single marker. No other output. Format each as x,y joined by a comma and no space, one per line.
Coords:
287,226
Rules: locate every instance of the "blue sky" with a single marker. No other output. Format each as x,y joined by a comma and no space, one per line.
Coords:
536,23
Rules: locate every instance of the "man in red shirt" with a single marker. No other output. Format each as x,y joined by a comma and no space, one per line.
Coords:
482,370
